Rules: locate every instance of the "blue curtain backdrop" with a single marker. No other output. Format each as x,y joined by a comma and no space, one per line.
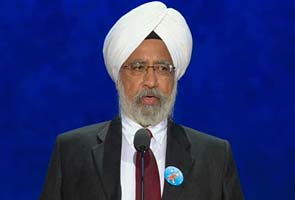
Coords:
239,85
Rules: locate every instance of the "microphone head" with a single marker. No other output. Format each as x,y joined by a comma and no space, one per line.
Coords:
142,140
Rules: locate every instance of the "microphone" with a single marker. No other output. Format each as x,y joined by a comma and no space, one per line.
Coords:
142,141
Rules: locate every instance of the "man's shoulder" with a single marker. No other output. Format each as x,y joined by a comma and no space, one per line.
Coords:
198,137
203,144
85,132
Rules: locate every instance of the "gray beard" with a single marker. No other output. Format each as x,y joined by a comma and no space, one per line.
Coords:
147,115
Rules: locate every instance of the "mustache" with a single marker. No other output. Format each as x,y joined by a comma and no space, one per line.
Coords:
150,92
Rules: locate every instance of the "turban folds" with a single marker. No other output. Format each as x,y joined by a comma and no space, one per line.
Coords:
132,28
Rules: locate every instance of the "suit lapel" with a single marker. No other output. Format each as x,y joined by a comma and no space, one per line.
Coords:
107,156
177,155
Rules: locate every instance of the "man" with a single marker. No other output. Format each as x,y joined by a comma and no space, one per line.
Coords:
146,52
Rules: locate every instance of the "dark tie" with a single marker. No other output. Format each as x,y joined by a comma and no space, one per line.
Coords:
152,189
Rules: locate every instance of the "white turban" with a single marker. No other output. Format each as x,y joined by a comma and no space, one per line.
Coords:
132,28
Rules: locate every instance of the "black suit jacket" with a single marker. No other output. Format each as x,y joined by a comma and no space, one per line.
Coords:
85,165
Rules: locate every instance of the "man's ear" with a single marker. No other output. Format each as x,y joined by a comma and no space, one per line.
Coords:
118,79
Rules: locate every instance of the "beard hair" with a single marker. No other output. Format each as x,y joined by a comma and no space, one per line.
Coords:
147,115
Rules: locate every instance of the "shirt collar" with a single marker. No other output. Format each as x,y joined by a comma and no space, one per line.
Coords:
129,128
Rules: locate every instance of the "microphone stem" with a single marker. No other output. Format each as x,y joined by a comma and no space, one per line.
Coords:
142,175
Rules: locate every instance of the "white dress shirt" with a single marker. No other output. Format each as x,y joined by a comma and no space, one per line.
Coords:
128,151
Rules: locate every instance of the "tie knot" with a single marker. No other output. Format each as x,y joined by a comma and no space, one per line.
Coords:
150,132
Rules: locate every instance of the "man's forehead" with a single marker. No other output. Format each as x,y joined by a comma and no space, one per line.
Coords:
151,50
153,35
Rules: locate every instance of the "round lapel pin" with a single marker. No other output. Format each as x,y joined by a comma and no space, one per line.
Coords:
173,176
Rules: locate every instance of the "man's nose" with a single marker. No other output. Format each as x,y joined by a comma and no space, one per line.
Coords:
150,78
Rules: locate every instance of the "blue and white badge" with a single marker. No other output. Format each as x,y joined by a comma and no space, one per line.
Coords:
173,176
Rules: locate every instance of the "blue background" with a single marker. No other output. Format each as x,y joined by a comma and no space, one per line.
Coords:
239,86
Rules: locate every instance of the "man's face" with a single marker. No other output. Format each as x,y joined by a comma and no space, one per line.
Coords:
148,95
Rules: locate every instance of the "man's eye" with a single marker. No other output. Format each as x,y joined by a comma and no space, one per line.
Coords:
137,67
163,67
